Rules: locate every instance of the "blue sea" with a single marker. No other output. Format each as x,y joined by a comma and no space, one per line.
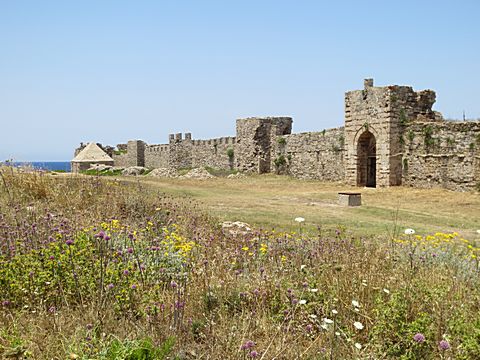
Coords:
46,165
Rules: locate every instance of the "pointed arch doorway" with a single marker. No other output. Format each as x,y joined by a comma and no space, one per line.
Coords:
367,160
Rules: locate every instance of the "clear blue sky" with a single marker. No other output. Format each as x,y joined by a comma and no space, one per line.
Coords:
110,71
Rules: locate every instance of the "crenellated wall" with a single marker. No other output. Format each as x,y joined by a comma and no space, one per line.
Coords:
391,137
157,156
214,153
184,152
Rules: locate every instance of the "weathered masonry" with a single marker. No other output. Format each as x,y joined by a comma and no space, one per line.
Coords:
391,136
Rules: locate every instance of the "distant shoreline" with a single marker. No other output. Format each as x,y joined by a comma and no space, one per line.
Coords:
42,165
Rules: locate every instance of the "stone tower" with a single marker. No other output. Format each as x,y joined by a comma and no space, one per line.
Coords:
255,142
375,120
135,153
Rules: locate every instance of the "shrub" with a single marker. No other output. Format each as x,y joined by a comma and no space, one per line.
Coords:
427,136
230,153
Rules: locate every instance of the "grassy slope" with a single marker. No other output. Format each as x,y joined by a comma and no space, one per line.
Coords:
274,201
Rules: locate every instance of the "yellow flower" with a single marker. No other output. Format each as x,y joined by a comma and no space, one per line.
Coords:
263,248
245,248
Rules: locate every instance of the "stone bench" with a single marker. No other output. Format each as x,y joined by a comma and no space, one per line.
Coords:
349,199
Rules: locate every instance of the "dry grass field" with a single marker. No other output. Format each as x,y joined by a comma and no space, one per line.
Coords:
271,201
95,269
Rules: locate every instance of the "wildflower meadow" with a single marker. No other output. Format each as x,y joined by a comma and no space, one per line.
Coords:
94,268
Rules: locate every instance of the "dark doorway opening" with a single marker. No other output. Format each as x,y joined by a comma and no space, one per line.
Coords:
367,160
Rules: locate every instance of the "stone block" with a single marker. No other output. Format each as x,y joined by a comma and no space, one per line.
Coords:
349,199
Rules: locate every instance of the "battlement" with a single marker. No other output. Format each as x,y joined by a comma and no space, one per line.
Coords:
391,136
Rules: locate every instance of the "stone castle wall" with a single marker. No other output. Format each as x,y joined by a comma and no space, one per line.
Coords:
442,154
375,120
313,155
183,152
214,153
156,156
256,139
391,137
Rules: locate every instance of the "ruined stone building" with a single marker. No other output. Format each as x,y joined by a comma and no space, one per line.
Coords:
391,136
89,155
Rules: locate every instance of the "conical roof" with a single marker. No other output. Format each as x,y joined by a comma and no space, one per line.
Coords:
92,152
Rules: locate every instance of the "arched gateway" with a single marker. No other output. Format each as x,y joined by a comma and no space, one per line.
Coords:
374,130
367,160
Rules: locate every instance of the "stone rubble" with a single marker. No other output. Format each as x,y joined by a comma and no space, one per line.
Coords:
197,173
134,171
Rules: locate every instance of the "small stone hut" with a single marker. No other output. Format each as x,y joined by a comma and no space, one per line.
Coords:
88,156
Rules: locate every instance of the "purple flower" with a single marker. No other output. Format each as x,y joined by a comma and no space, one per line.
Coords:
253,354
443,345
5,303
419,338
173,284
309,328
179,304
51,309
69,242
89,326
248,345
106,238
130,250
52,257
100,235
134,287
110,286
126,272
256,292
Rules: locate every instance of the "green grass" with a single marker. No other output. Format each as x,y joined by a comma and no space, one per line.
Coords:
220,172
274,201
103,172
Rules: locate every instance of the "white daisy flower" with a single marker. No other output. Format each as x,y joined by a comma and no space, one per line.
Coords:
299,219
358,346
409,231
355,303
358,325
